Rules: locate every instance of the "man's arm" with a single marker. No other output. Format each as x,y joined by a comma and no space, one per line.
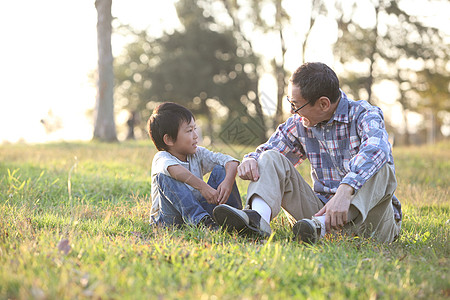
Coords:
373,153
182,174
226,186
374,149
284,140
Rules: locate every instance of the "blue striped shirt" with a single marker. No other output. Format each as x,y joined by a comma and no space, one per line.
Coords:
349,148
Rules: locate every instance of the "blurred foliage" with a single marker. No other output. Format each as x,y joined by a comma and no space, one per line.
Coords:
399,48
200,67
210,65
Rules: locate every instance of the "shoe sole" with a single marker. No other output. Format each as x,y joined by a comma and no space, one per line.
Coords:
305,232
234,219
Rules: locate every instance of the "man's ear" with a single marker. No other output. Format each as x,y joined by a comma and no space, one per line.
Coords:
168,140
324,103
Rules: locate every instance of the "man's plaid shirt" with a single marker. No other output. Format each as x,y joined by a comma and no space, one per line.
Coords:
350,148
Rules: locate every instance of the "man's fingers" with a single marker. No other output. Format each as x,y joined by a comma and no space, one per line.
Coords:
241,171
333,221
244,172
345,218
254,171
321,212
327,222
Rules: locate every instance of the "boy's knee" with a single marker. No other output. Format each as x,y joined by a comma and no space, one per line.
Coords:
165,181
163,178
218,169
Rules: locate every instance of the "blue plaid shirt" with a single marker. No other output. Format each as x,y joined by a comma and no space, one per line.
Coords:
350,148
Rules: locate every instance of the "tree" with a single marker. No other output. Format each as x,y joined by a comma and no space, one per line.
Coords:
398,48
199,67
104,125
251,12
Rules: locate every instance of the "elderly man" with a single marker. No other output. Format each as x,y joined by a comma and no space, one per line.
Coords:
351,166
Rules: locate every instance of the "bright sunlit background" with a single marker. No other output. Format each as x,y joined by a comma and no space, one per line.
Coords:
49,50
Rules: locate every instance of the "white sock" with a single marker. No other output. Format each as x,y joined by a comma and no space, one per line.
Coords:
261,207
321,219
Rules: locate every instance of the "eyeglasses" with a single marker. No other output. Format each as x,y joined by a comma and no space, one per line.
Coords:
293,105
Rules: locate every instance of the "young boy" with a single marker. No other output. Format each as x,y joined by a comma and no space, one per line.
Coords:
179,194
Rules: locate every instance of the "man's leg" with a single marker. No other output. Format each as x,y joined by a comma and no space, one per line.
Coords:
177,203
215,179
372,203
370,213
281,186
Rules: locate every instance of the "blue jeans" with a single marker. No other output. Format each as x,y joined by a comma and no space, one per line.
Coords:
180,205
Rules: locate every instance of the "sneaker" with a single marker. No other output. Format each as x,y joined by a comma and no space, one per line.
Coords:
308,231
246,221
209,223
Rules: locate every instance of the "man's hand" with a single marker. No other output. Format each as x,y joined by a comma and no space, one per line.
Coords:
336,209
248,169
210,194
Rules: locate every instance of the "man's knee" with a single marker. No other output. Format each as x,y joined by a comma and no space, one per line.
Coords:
269,155
384,181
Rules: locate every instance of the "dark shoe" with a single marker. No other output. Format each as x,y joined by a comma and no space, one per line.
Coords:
209,223
307,231
246,221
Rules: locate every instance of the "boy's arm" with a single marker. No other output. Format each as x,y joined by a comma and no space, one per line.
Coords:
182,174
226,186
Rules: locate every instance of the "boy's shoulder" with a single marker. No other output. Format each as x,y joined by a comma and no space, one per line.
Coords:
163,156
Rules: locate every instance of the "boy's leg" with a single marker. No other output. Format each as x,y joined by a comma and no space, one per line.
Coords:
280,185
177,202
215,179
373,203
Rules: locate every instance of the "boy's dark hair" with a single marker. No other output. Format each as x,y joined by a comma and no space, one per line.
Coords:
315,80
167,119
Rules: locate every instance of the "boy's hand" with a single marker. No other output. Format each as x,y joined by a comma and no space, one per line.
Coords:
210,194
224,190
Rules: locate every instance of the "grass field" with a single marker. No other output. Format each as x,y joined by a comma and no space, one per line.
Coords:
74,224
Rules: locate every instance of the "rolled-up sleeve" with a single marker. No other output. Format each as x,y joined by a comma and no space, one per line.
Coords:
285,141
210,159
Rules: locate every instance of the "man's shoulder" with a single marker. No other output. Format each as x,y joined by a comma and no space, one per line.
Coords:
362,107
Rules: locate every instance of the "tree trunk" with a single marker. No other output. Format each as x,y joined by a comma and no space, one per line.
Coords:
370,80
406,137
280,75
104,125
260,115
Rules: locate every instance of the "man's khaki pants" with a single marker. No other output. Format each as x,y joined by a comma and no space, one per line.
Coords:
281,186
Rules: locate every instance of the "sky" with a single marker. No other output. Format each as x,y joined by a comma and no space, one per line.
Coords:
49,50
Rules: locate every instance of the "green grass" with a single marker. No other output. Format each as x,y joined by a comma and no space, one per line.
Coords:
114,253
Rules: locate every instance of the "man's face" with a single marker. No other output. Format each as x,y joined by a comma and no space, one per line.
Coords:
311,114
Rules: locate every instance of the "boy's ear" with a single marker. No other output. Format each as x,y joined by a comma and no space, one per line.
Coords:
168,140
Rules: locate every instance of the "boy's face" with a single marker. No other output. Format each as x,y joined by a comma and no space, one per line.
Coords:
186,142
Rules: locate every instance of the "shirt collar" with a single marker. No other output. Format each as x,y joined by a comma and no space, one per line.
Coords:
341,113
